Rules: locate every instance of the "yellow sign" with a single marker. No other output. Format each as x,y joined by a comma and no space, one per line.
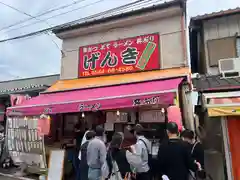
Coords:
224,111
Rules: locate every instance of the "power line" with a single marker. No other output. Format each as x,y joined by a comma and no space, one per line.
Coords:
29,15
42,20
41,14
16,9
23,12
76,10
116,10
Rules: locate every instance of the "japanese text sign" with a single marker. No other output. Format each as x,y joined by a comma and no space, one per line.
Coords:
139,53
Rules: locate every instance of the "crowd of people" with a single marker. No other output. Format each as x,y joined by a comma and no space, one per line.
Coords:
180,156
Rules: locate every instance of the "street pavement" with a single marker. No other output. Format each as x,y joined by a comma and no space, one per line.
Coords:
11,178
7,178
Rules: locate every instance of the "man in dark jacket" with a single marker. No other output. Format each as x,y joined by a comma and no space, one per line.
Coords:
195,147
173,156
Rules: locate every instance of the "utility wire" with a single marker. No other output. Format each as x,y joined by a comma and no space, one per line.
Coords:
60,14
15,9
41,14
115,10
29,15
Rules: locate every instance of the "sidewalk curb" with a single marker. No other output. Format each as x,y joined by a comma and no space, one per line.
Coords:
12,176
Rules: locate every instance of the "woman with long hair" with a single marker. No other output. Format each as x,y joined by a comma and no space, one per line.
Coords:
121,160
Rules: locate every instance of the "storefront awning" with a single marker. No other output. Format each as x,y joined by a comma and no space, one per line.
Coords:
118,79
223,104
103,98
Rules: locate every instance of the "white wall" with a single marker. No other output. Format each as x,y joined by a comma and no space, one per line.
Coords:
167,23
219,28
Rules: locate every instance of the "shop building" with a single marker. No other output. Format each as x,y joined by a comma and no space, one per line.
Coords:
14,91
118,70
214,49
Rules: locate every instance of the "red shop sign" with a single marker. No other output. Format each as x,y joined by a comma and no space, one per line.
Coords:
139,53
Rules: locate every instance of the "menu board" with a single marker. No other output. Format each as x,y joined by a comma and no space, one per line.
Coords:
23,141
151,116
55,165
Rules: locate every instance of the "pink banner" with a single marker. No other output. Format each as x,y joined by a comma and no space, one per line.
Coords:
117,103
18,99
2,112
174,115
43,126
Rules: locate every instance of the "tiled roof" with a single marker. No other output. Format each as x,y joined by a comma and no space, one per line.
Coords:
216,14
29,84
136,8
25,88
215,83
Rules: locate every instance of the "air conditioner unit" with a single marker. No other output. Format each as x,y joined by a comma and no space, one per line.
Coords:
229,68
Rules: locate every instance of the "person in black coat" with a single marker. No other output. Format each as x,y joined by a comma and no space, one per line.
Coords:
195,147
115,153
83,163
174,158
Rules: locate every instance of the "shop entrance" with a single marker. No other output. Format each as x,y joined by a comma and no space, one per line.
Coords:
233,124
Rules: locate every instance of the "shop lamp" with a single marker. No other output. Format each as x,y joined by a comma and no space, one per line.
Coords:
118,113
48,117
83,115
163,110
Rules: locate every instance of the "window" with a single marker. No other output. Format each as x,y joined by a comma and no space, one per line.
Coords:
221,49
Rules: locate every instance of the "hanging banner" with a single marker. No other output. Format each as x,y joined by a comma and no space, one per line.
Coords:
18,99
139,53
43,125
174,115
2,112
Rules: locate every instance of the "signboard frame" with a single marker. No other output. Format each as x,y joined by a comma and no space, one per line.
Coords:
62,164
156,50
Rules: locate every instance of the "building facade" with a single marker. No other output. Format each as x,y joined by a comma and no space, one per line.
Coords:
117,70
214,49
125,47
167,20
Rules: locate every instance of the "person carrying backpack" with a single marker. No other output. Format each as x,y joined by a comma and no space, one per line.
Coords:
120,162
195,148
143,150
174,159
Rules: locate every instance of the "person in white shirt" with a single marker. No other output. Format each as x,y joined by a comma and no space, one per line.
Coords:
142,149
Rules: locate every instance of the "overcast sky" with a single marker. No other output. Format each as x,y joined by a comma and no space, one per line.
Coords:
40,55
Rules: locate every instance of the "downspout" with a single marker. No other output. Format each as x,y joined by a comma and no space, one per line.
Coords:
183,35
184,43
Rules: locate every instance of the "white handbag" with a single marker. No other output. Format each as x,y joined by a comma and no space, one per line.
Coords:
115,175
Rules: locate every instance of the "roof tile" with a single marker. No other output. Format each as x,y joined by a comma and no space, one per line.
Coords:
217,14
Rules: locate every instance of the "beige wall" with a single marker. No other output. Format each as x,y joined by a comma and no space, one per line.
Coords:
166,22
219,28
